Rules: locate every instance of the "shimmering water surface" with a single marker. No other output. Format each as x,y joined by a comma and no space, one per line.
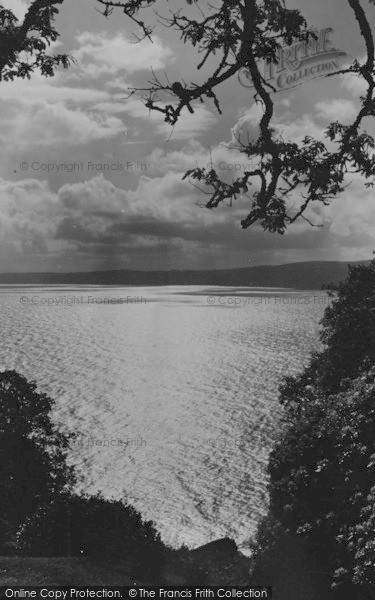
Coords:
172,391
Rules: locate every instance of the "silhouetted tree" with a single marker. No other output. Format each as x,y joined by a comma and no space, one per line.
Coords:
322,470
348,335
32,465
232,35
102,529
23,46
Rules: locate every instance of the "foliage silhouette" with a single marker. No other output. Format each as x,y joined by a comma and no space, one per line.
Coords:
33,453
288,176
105,530
23,46
322,469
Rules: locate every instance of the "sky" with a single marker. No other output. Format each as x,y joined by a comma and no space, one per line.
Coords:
81,215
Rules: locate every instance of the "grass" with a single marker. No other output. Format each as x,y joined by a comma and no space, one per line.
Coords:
67,571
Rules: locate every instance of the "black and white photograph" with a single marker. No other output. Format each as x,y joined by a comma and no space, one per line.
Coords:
187,299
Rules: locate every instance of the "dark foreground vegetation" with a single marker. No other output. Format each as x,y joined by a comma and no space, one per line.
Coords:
318,540
62,571
41,516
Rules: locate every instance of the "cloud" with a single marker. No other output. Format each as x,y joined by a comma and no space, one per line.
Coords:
110,107
95,224
352,216
95,220
52,124
101,54
189,125
51,91
355,84
19,8
245,131
28,221
338,109
180,160
117,83
47,112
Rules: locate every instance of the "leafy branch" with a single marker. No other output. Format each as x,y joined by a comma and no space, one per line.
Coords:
23,46
240,34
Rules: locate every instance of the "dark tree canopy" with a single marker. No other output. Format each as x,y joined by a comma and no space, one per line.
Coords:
40,514
32,466
322,470
348,335
238,34
29,39
105,530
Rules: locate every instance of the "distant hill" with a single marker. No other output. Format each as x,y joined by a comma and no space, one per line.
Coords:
302,275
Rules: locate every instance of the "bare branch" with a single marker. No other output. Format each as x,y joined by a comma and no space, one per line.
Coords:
238,35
